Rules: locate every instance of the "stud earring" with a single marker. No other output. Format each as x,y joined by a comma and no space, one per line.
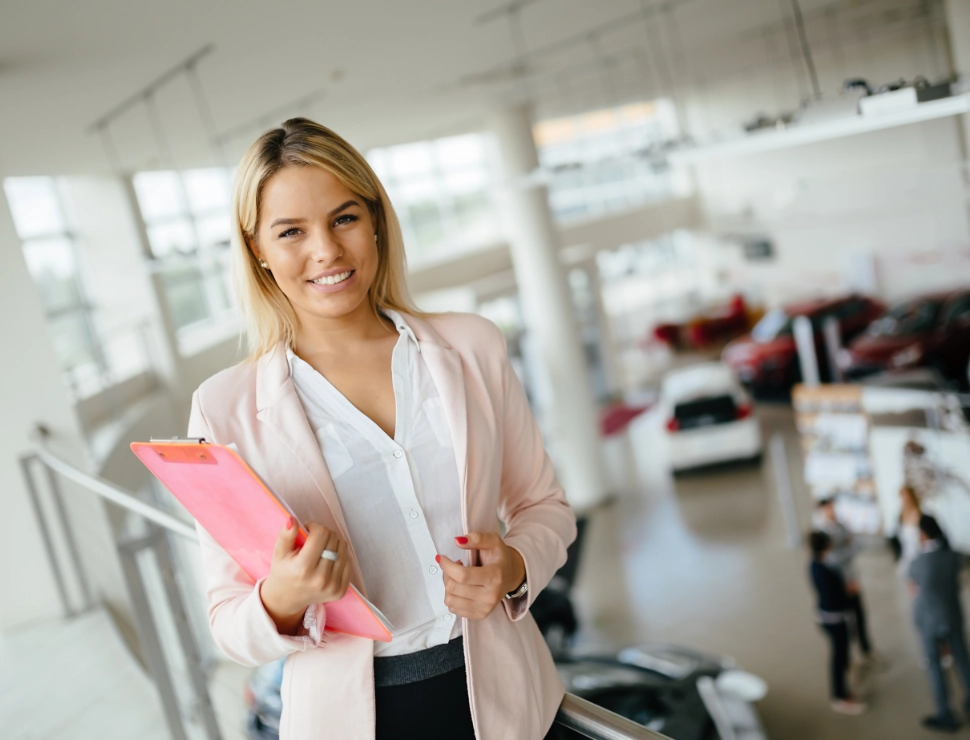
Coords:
375,237
264,264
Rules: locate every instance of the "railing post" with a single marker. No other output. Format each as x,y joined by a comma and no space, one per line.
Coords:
45,534
148,635
68,530
166,565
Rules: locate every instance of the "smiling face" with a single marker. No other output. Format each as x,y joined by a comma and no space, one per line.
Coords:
318,238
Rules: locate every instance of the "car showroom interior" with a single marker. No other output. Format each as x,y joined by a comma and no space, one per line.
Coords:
726,244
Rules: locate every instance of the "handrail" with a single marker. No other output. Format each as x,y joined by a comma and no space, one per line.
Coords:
110,492
593,721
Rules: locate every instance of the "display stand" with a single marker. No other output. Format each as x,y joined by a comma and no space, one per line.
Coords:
834,429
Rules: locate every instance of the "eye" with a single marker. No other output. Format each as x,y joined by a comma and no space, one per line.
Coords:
288,233
347,218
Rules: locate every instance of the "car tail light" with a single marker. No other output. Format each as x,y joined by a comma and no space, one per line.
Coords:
744,411
673,425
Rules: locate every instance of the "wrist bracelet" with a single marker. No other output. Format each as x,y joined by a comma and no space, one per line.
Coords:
520,591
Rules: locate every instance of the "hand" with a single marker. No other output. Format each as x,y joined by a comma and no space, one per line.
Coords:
300,577
475,591
852,588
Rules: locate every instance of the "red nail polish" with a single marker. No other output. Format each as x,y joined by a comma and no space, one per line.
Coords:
289,523
461,540
437,558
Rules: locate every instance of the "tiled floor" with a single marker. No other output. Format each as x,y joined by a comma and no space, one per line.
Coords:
701,560
75,680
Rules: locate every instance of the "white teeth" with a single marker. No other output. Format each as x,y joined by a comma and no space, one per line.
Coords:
333,279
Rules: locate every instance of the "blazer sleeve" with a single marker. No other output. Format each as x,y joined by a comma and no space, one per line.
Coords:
240,624
539,523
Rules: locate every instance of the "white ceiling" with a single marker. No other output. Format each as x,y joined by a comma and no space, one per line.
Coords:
377,71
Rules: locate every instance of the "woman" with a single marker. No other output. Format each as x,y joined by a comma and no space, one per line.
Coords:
401,441
908,531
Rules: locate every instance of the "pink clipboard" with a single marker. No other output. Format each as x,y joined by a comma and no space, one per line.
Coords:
233,505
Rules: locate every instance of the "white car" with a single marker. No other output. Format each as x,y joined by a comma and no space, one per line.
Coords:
709,417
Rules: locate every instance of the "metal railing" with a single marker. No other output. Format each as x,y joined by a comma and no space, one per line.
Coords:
575,714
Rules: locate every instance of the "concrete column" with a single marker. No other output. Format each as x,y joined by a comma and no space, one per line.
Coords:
958,30
571,416
607,347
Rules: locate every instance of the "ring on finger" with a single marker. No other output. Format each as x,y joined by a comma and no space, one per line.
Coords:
330,555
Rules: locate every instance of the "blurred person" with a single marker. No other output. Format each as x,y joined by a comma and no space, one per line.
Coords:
402,440
908,533
938,616
832,607
842,556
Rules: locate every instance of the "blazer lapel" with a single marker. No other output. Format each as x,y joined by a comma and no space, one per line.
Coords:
278,406
444,364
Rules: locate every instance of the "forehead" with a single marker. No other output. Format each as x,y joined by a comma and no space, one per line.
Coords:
299,192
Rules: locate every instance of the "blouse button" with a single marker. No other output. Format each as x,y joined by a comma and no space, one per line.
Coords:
413,514
433,569
398,453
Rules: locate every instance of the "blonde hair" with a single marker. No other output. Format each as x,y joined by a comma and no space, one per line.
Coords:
299,142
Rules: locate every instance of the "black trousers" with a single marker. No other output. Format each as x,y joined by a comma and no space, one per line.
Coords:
859,617
838,635
434,709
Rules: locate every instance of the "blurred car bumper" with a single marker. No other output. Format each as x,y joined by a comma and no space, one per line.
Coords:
737,440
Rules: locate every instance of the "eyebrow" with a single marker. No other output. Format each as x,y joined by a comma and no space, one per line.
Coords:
334,212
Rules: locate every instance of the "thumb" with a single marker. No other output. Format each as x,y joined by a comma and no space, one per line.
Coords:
286,539
479,541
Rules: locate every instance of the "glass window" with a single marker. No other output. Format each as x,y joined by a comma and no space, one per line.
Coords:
35,206
159,195
51,254
441,193
600,160
187,220
172,238
207,190
959,310
185,291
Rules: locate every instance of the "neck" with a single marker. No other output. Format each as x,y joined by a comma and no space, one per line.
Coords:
323,334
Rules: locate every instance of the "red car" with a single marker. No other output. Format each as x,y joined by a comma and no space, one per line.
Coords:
929,331
767,357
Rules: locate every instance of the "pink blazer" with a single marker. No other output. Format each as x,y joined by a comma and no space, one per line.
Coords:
328,687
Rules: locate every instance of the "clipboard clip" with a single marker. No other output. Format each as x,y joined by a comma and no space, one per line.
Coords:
178,440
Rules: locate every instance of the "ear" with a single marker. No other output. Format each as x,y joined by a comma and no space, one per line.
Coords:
251,244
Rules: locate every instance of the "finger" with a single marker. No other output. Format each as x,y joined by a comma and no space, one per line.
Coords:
463,589
315,542
325,566
453,570
285,540
479,541
344,580
464,607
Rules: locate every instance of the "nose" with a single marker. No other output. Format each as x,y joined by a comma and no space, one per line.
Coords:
324,249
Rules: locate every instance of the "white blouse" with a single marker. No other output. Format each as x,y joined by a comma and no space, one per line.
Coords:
401,497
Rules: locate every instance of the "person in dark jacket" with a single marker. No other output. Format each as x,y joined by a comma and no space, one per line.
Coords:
939,617
833,606
843,554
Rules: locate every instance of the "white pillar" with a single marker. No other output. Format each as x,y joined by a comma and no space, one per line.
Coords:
549,314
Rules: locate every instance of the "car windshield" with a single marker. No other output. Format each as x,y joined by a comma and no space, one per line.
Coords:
773,324
905,319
